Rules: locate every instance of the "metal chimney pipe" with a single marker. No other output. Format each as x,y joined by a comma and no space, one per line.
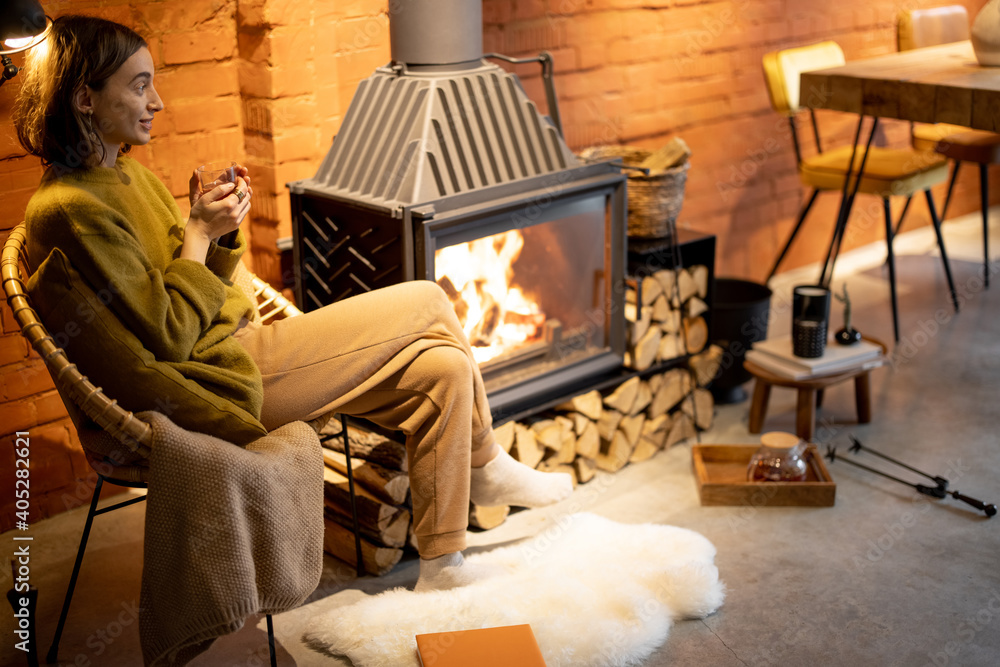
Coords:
435,32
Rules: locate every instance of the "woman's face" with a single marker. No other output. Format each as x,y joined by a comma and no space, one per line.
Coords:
124,108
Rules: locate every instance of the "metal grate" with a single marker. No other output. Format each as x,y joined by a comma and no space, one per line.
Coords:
343,251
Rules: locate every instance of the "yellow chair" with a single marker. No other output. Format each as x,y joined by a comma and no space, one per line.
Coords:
885,172
918,28
101,423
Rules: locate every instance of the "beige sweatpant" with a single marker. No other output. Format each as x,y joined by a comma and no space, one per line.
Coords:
399,358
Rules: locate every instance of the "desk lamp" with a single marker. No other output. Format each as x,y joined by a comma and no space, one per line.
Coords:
23,24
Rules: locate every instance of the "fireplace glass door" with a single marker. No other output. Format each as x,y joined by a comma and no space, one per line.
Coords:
535,287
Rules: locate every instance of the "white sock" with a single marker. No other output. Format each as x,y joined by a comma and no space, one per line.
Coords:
451,571
504,481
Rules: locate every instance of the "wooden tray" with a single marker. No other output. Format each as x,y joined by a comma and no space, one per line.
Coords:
721,471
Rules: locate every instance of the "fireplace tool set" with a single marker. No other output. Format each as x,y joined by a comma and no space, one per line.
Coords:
939,490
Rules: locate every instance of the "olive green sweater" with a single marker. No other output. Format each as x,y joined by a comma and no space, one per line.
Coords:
122,231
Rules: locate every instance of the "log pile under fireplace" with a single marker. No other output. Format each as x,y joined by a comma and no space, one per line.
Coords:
594,431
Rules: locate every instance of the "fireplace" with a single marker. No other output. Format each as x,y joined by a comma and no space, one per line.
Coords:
444,170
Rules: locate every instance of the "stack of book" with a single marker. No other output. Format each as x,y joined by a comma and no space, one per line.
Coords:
775,355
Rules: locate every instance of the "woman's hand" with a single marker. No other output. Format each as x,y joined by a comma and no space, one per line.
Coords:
215,213
194,184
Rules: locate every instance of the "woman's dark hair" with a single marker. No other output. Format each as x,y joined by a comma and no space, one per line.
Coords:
79,51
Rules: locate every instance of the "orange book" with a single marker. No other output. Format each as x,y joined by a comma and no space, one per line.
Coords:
509,646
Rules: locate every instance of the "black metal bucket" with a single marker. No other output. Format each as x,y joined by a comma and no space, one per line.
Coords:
739,319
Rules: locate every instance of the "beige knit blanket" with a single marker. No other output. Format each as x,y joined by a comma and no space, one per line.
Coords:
230,532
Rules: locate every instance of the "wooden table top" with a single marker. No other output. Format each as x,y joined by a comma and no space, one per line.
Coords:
938,84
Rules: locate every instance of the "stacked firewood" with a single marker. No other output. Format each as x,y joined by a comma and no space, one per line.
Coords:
665,316
381,486
597,430
609,430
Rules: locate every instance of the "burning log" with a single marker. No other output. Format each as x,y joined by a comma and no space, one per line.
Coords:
482,332
460,304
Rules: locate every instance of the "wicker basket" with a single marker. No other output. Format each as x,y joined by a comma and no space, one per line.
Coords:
654,201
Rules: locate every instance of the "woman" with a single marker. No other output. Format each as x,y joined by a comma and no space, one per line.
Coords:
395,356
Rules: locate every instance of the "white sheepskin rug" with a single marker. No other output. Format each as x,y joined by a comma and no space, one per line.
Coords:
595,592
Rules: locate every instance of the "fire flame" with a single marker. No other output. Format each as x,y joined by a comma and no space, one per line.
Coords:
496,316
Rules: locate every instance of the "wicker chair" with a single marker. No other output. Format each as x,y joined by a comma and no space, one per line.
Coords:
98,416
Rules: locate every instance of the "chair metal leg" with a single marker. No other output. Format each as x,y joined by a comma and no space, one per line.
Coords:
798,224
951,189
847,201
51,657
354,506
833,250
902,214
984,204
892,267
270,642
940,242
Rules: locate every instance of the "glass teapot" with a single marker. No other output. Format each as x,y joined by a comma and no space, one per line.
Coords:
779,459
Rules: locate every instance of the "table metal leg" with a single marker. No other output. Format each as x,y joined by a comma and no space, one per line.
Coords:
940,242
984,204
891,261
847,200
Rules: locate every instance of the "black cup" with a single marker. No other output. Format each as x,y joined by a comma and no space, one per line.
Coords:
810,314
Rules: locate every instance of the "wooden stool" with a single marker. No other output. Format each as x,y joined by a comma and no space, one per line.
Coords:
810,395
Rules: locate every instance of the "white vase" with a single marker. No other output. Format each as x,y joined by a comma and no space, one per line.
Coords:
986,34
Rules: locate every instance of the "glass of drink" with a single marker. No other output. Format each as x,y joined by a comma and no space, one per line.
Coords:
214,174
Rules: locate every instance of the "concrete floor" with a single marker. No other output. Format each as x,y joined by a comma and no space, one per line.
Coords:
883,578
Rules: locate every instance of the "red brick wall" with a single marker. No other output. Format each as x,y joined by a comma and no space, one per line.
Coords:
267,82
